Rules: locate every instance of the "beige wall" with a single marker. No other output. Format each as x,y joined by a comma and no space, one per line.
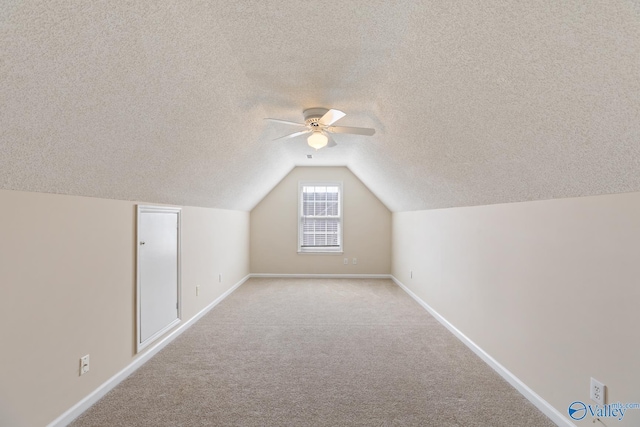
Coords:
68,288
549,289
274,229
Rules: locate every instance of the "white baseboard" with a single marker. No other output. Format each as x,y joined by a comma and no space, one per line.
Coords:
77,409
552,413
320,276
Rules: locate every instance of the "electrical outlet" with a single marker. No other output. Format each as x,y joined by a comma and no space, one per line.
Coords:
197,290
597,391
84,364
411,274
220,277
355,261
346,261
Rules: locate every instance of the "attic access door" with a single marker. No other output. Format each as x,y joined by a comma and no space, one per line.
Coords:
158,272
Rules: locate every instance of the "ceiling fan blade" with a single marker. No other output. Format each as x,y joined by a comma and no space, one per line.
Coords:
331,117
286,121
349,129
330,141
293,135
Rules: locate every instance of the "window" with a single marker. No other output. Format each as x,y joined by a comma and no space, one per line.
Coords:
320,217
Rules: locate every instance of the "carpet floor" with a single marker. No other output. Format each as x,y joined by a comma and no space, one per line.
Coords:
315,352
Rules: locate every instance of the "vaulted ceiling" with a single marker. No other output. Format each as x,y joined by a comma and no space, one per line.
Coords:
473,102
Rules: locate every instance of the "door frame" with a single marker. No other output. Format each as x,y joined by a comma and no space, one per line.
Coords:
156,209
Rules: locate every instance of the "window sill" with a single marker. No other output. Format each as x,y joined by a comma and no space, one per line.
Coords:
320,252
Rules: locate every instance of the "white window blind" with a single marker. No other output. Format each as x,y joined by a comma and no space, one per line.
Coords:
320,217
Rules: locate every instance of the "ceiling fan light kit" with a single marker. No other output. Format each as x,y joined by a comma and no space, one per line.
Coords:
318,123
317,140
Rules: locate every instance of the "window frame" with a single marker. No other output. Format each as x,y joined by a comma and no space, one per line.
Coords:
320,249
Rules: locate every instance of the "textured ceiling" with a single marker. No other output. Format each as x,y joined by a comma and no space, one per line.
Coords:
473,102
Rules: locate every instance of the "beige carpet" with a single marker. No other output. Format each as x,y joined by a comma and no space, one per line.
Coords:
314,352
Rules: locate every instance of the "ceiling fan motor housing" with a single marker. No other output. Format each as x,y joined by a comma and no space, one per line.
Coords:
312,115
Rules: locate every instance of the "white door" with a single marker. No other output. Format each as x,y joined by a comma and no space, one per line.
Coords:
158,272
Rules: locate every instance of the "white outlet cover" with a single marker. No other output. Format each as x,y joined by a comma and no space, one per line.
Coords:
84,364
597,391
355,261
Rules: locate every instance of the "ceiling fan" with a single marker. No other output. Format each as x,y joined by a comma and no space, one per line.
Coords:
318,122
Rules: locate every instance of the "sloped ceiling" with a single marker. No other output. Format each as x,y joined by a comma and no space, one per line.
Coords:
473,102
